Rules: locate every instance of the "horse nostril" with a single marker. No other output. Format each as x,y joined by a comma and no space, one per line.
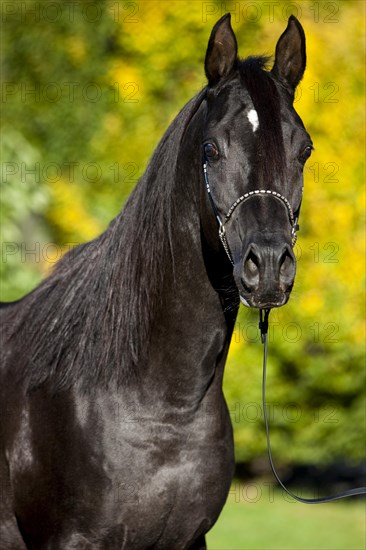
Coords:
250,277
251,264
287,266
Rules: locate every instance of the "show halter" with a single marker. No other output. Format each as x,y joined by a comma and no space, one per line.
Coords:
263,323
243,198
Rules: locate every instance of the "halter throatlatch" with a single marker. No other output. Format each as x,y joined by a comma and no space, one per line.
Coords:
243,198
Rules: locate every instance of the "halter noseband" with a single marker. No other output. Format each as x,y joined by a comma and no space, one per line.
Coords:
243,198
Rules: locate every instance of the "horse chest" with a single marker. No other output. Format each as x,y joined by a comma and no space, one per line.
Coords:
168,480
115,470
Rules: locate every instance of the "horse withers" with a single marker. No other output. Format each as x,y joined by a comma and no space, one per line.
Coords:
114,428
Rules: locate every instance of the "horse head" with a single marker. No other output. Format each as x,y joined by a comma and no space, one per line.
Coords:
254,150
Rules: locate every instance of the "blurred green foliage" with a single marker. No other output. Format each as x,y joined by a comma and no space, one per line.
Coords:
88,89
288,525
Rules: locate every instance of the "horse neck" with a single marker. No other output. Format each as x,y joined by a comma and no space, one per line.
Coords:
191,331
136,301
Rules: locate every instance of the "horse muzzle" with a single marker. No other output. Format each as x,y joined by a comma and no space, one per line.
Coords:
266,274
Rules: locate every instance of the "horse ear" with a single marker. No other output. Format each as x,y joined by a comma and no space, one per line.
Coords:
222,51
290,59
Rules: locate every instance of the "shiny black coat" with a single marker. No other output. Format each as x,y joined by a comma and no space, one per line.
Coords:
114,429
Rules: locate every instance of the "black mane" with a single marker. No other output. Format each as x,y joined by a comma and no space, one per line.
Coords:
89,321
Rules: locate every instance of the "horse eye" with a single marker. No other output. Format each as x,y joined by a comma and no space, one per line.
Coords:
211,151
306,153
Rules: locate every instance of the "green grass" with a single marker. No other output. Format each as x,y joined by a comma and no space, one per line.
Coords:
257,518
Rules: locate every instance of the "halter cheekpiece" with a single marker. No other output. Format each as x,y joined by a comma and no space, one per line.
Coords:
243,198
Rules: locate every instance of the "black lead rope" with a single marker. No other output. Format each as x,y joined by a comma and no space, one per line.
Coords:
263,318
263,326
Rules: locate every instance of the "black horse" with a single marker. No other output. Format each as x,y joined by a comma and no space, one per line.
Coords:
115,432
